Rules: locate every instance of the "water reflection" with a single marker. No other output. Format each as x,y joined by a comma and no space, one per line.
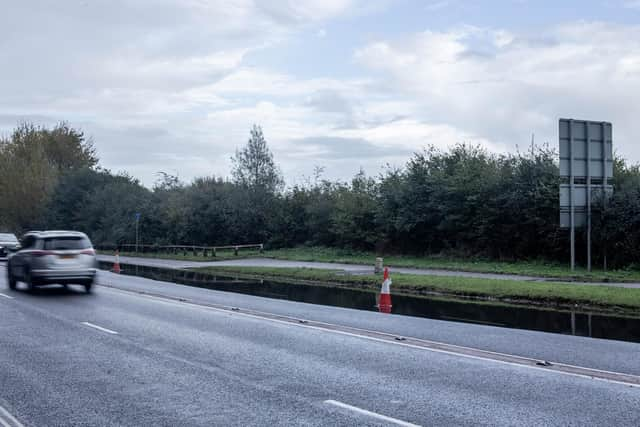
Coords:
511,316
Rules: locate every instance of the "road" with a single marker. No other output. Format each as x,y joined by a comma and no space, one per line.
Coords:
349,268
141,352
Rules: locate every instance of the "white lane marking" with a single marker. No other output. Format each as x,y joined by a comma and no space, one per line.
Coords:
11,418
6,296
370,414
100,328
171,301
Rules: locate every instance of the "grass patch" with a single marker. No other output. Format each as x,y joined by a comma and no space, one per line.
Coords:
526,268
322,254
606,298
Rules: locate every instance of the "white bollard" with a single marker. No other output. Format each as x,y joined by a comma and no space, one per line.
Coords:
377,269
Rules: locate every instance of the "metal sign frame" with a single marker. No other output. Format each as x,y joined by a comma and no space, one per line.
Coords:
585,155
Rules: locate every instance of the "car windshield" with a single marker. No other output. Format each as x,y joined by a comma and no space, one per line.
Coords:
7,237
66,242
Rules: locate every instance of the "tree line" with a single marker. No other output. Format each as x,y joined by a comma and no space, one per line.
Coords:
464,201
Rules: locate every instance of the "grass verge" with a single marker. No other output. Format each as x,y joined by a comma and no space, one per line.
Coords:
321,254
525,268
559,295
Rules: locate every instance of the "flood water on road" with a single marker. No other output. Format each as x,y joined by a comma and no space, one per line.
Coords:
510,316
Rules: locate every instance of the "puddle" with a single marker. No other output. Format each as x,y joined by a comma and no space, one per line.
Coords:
503,315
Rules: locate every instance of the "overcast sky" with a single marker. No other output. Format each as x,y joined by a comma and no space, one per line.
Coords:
175,85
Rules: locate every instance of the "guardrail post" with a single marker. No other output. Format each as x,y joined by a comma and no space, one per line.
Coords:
185,250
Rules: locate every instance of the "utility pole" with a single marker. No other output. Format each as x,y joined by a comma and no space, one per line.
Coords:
533,144
137,228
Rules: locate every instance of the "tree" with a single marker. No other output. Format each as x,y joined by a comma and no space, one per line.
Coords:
353,217
167,182
28,178
68,149
254,167
31,162
103,206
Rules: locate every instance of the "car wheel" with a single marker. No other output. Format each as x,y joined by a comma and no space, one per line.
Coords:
29,281
11,280
88,287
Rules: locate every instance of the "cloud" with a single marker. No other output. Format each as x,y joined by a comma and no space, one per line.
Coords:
329,101
311,10
437,5
500,86
330,148
178,84
166,77
632,4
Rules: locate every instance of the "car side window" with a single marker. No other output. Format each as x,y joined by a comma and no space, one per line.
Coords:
28,242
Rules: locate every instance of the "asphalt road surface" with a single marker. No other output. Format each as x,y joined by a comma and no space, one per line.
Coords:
172,357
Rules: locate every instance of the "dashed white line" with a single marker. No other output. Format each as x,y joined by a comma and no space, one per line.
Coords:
100,328
6,296
370,414
8,420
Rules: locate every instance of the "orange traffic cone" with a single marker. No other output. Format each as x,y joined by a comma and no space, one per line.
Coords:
116,264
384,305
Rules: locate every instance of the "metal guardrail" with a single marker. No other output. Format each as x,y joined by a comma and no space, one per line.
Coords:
194,250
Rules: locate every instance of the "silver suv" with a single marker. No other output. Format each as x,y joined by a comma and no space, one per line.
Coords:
46,257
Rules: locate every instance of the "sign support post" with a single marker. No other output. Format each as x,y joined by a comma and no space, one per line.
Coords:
603,127
589,197
572,200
